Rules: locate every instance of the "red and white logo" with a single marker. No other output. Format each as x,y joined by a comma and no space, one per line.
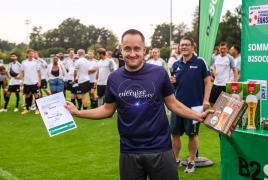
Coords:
253,18
234,87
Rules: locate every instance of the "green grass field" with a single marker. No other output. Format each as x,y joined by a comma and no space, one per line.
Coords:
89,152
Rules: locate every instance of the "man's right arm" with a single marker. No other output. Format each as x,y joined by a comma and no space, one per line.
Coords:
105,111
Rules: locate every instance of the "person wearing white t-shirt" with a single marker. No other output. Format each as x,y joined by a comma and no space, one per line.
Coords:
32,79
81,70
235,52
92,77
156,59
73,88
175,56
43,68
14,69
105,67
223,64
68,64
109,56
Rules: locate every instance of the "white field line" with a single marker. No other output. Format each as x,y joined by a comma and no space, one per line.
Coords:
7,175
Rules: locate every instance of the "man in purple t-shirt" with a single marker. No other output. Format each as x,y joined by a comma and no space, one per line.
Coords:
139,91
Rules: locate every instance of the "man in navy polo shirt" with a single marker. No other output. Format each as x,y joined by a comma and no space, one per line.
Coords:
139,91
192,80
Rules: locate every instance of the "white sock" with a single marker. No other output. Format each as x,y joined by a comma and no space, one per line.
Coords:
100,102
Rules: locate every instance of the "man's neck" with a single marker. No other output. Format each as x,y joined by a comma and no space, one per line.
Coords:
104,57
187,58
236,56
91,59
14,62
223,55
30,59
71,57
155,59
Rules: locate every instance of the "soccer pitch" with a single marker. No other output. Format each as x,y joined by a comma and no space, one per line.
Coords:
89,152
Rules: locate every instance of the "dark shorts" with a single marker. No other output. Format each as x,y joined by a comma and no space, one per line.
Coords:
14,88
157,166
84,87
101,90
92,86
70,85
179,126
215,93
43,84
1,84
65,86
30,89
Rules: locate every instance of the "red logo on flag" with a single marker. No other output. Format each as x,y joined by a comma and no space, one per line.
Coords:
251,87
234,87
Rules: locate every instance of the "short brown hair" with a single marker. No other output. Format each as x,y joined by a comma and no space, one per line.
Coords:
133,32
90,50
29,50
2,68
216,47
70,49
188,38
223,44
101,51
109,52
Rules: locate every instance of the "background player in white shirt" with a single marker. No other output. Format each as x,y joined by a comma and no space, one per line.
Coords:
235,52
32,79
92,77
156,59
81,70
105,67
175,56
223,64
73,87
109,56
43,68
14,69
68,63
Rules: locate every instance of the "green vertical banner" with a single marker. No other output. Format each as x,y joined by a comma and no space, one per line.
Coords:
254,50
210,14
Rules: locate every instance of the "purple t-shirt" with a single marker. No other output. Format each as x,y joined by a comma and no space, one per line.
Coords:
142,121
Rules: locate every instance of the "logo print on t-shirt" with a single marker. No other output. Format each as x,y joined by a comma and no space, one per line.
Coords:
135,94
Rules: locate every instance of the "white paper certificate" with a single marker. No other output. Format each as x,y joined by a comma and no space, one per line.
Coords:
56,117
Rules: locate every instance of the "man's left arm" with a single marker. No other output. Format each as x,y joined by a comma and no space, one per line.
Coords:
233,66
39,76
235,74
181,110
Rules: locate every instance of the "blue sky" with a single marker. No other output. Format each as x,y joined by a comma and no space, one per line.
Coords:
116,15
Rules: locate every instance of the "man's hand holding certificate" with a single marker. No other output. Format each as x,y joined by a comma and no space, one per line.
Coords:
56,117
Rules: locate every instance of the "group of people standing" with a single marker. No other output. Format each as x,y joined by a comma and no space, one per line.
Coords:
75,74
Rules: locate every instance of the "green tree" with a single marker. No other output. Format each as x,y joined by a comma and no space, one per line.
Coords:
161,36
165,52
180,31
112,42
230,28
36,39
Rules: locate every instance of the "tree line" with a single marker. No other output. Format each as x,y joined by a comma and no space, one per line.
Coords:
72,33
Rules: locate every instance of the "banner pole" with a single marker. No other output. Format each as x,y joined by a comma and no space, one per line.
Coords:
198,45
